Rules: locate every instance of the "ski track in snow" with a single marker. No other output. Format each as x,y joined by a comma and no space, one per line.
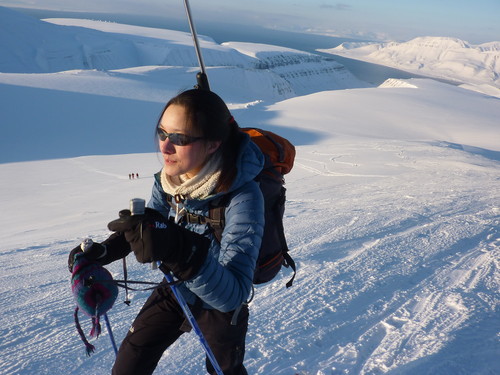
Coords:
350,252
392,269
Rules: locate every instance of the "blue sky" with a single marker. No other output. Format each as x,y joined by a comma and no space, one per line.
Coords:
476,21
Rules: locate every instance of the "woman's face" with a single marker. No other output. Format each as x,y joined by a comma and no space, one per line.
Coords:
188,159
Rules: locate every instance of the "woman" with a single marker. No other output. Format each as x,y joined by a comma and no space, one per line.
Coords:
205,157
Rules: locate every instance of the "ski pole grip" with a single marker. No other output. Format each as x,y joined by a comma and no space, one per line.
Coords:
137,206
86,244
202,80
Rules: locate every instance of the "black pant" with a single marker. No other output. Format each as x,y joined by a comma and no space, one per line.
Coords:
161,322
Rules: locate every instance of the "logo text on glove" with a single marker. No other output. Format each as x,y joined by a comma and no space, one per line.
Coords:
160,225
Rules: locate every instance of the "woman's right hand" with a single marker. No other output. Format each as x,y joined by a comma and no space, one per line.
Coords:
91,250
113,248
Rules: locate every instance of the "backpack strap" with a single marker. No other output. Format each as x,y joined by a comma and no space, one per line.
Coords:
289,263
288,260
216,218
216,221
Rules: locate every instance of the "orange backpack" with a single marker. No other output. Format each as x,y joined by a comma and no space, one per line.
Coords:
279,152
279,156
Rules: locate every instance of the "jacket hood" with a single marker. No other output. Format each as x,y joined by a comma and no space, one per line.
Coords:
249,163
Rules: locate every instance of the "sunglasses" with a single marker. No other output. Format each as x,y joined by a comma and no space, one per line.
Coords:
177,139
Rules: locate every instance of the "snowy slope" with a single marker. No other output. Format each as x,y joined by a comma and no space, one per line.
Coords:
112,64
392,215
397,244
62,44
83,44
450,58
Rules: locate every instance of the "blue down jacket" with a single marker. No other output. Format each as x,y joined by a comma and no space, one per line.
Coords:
224,281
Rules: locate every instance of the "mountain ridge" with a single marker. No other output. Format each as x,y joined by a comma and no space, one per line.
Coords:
440,57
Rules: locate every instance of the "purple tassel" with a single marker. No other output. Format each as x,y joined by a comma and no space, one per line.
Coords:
88,346
96,324
96,327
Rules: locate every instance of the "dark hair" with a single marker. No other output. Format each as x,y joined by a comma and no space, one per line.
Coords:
209,117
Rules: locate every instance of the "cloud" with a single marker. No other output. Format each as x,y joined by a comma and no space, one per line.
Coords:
338,6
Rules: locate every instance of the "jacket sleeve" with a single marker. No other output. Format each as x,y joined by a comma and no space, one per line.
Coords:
225,280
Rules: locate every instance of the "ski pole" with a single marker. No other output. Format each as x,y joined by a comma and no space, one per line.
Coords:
201,77
112,338
137,207
191,319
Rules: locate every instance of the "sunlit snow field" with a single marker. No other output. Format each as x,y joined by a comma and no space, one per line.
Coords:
392,214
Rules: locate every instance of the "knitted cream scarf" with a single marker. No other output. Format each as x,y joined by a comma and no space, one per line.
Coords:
198,187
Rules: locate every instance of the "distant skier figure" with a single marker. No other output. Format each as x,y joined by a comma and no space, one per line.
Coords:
205,157
137,175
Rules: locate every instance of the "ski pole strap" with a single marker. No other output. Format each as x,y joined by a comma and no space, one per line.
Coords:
124,284
190,318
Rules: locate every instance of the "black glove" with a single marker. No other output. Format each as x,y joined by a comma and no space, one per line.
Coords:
154,238
113,248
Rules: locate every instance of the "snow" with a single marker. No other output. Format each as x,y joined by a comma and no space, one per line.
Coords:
476,66
392,214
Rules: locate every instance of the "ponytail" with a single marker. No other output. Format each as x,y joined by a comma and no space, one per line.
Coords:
228,151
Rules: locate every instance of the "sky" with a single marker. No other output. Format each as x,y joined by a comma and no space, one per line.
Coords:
401,20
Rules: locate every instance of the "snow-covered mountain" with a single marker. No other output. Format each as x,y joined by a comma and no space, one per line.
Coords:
60,45
104,60
392,213
448,58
